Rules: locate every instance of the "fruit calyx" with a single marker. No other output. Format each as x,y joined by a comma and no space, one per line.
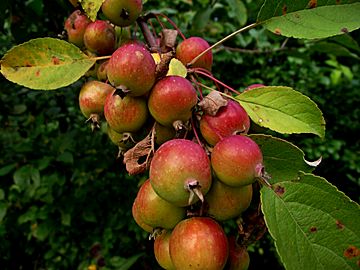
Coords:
262,176
121,91
94,120
179,126
194,187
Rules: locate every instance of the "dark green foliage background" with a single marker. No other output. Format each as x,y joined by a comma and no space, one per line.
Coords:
62,189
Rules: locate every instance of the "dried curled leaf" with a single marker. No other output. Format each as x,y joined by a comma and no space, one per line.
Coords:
168,39
132,156
212,103
313,163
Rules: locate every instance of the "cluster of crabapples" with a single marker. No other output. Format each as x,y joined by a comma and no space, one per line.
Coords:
200,162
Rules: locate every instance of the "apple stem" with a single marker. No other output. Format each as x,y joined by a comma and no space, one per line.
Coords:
95,121
197,86
262,176
198,71
120,152
195,132
100,57
209,73
222,41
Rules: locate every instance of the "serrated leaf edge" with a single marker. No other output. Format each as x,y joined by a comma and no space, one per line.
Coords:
262,124
302,174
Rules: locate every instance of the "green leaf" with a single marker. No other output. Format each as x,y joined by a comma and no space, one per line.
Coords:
202,18
320,22
66,157
26,176
30,215
2,194
41,231
130,262
332,48
346,41
36,5
91,7
89,216
282,159
238,11
45,64
6,169
272,8
3,210
65,218
313,224
283,109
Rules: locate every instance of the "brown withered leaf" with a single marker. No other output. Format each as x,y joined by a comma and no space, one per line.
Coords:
142,149
252,226
168,39
212,103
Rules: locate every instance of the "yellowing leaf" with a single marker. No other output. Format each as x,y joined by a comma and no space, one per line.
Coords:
91,7
45,64
156,57
177,68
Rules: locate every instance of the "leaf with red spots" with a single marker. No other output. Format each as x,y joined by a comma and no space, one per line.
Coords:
314,225
310,19
272,8
45,64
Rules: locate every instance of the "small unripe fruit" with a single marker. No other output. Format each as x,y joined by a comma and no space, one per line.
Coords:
198,243
239,258
227,202
75,26
172,99
229,120
101,71
178,165
122,12
155,211
100,38
161,250
237,160
187,50
119,139
132,68
92,97
163,134
125,114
